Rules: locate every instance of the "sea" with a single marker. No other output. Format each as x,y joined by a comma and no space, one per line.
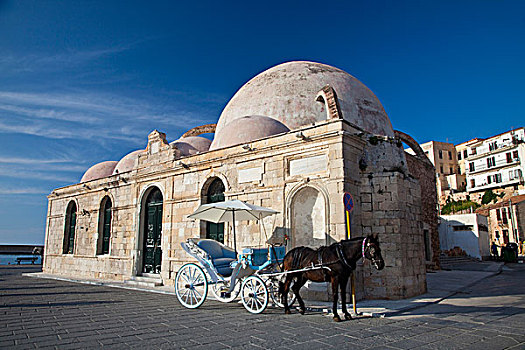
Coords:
8,259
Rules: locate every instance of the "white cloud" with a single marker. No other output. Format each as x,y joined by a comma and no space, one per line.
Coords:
50,62
32,161
22,190
88,116
36,175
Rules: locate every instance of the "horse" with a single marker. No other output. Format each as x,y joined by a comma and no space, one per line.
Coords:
328,264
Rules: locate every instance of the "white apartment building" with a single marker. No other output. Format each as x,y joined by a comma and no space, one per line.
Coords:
496,162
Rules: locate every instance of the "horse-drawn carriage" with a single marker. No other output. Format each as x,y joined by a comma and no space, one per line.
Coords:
261,274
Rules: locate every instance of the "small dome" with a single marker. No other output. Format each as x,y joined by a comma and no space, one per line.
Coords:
191,145
247,129
288,92
99,171
128,162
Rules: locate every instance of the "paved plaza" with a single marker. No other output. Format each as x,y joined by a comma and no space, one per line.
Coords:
45,313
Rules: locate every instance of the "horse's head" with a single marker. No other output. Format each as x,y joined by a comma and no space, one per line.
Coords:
372,251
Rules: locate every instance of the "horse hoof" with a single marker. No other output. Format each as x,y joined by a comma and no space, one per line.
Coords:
337,319
302,311
348,317
287,312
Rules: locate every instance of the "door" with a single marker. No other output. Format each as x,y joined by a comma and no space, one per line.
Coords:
153,233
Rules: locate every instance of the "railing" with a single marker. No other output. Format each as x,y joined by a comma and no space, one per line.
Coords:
499,163
486,185
482,151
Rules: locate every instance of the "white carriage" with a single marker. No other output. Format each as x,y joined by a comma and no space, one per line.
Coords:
253,274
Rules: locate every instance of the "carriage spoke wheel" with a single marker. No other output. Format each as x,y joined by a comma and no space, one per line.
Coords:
218,289
191,286
273,288
254,294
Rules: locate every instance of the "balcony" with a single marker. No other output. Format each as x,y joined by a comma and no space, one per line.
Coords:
483,151
485,186
499,164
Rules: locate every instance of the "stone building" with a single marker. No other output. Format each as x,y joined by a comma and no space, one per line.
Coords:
294,138
449,179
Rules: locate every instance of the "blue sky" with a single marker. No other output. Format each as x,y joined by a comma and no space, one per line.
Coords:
86,81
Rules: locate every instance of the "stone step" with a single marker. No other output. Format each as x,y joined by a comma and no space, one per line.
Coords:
151,281
449,261
454,259
152,275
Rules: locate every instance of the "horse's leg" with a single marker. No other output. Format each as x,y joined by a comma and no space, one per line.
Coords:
343,284
335,287
284,288
301,280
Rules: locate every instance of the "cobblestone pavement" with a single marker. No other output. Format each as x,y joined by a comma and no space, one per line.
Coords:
39,313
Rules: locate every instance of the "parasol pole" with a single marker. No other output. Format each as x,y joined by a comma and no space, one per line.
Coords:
234,236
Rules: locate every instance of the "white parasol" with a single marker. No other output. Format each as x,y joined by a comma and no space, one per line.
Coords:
229,211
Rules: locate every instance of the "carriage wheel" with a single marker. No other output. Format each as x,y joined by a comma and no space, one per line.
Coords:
254,294
273,288
218,287
191,286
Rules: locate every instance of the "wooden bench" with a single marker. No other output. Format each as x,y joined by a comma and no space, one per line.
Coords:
32,259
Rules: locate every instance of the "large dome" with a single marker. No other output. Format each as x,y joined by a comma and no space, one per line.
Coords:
246,129
288,92
100,170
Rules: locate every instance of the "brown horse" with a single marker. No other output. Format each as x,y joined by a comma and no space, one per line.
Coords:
328,264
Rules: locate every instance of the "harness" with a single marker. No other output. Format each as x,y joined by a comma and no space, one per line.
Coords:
298,255
341,255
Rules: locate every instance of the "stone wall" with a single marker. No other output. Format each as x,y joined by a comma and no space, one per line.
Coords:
390,205
424,172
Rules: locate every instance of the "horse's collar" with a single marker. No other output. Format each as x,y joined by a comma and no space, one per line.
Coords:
363,247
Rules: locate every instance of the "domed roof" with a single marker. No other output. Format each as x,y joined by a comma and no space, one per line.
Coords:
128,162
246,129
99,171
192,145
288,92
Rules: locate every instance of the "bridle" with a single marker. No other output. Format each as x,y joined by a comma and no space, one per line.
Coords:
367,244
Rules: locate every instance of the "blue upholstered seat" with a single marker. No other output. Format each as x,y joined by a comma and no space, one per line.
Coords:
221,255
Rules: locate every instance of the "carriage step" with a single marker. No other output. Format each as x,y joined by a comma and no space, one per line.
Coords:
145,281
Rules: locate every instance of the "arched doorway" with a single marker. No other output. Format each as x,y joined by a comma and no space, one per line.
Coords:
308,218
215,194
152,232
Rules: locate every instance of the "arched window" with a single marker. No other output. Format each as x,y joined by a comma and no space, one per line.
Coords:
104,226
69,231
215,194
